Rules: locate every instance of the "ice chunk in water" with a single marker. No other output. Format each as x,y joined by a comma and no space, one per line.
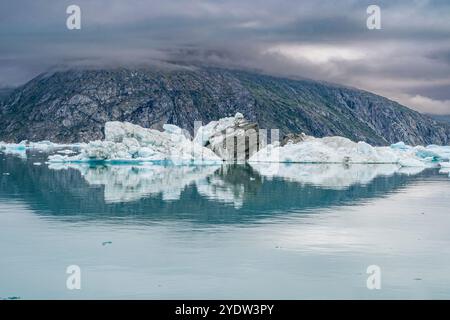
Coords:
127,142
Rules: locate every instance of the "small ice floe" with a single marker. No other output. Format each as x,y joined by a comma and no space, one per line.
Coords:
6,173
15,149
19,149
37,163
12,146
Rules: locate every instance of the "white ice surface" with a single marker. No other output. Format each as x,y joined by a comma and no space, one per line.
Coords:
126,142
131,143
343,150
19,149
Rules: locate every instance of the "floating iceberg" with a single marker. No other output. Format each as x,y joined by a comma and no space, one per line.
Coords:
343,150
126,142
40,146
15,149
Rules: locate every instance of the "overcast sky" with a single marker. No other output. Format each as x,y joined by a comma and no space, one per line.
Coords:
408,60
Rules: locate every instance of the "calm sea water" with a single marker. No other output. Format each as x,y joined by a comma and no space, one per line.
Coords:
228,232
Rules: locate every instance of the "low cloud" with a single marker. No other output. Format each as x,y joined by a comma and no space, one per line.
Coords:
426,105
407,60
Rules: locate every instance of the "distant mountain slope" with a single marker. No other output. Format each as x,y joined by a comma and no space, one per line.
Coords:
73,105
441,118
5,92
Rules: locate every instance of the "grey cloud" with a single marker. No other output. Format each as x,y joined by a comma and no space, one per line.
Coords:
408,57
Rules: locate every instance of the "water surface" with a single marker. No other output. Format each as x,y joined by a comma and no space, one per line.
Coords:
231,231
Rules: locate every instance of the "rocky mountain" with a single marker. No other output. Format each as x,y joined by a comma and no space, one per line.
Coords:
73,105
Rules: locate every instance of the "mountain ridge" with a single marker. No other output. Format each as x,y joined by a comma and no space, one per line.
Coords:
73,105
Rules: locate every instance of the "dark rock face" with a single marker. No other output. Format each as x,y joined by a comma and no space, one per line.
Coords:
293,138
72,106
237,142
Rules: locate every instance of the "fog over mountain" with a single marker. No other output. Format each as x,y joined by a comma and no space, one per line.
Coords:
408,60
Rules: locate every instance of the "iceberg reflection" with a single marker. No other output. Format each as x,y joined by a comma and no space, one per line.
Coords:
227,184
216,194
335,176
124,183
